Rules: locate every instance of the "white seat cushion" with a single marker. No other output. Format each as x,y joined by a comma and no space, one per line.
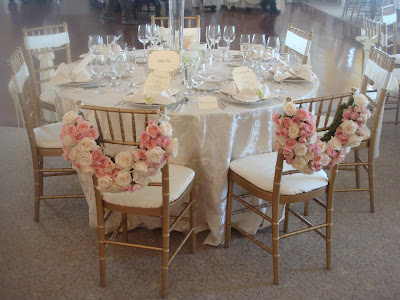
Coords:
48,97
260,171
150,197
48,136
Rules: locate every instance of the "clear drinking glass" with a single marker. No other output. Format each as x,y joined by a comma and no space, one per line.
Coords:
223,48
244,44
120,63
214,34
131,63
281,69
258,38
229,34
274,43
97,67
144,34
95,42
154,34
201,49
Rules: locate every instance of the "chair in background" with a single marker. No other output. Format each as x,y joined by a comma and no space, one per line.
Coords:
44,140
268,177
388,16
190,22
44,43
378,71
174,187
298,42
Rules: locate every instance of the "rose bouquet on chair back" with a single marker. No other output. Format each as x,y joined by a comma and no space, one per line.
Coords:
297,138
128,170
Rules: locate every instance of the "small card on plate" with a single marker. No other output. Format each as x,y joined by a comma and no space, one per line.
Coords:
207,102
244,77
164,61
157,82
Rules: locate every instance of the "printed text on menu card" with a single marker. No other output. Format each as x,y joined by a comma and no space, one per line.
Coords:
164,61
157,82
245,77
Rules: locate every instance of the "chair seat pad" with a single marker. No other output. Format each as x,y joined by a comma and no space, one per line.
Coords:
150,197
322,121
260,171
48,136
47,97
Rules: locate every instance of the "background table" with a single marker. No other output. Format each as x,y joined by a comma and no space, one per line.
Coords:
208,141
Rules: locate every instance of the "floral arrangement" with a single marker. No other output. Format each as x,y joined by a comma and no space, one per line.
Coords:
297,139
128,170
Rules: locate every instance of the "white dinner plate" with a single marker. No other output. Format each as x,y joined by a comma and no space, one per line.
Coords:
90,83
230,99
170,106
209,87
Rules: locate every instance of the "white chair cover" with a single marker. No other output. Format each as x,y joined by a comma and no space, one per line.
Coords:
46,41
19,78
390,19
298,44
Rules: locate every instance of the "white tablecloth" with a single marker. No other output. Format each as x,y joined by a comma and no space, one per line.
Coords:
208,141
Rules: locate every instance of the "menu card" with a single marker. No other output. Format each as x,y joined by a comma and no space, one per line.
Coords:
167,61
207,102
157,82
244,77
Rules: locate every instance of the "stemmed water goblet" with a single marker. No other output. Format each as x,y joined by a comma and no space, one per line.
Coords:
244,45
229,35
281,70
214,34
95,42
273,43
144,34
154,34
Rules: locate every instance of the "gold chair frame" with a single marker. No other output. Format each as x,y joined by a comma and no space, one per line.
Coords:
388,10
274,198
303,34
41,31
166,21
163,211
30,110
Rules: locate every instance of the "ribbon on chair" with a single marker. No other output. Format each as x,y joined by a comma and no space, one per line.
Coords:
46,60
46,41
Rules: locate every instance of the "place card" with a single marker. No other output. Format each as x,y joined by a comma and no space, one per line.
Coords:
157,82
167,61
207,102
245,77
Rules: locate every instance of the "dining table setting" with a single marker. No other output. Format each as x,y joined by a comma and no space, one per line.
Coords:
220,103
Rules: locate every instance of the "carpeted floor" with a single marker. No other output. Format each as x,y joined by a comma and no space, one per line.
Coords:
57,257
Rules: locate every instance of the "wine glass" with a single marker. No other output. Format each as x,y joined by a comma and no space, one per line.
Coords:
229,35
244,44
281,69
95,43
204,72
214,34
131,63
154,34
120,62
259,39
274,44
97,67
144,34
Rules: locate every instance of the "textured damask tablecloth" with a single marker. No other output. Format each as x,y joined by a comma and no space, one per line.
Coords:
208,141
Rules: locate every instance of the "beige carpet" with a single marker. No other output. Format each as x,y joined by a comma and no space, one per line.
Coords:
57,258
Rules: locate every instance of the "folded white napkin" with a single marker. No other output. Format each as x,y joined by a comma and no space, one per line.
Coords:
247,94
295,71
140,96
78,74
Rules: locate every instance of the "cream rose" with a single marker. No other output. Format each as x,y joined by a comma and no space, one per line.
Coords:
144,181
69,117
325,159
87,144
309,155
293,131
123,179
299,162
335,143
349,127
322,145
165,128
140,166
84,159
289,109
281,140
72,153
300,149
68,141
313,138
155,155
104,183
361,100
124,160
173,148
354,140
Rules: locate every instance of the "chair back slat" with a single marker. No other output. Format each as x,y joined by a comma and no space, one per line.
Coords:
190,22
122,127
298,42
388,16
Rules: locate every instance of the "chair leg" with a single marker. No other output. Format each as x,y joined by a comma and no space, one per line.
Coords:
306,207
357,168
286,223
165,255
397,109
228,213
37,193
101,232
371,182
125,227
275,240
329,211
192,222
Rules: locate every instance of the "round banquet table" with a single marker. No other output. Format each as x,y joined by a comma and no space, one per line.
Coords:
208,141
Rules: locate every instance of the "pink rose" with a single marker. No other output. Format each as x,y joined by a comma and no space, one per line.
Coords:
303,139
302,114
287,152
287,122
79,136
135,155
303,132
296,119
70,129
356,109
317,149
284,132
99,172
330,151
151,144
144,138
346,114
318,166
279,122
163,141
65,154
290,143
361,132
343,138
79,119
310,147
152,130
354,115
133,188
97,155
275,117
83,126
142,154
164,158
310,117
277,145
317,158
93,133
289,160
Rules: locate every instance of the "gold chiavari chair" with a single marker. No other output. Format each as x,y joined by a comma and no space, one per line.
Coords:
49,41
174,188
298,41
268,177
388,16
44,140
191,22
